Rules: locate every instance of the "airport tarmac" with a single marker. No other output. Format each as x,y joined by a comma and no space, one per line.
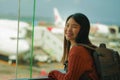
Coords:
8,72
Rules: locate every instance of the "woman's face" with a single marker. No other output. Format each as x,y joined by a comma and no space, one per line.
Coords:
71,30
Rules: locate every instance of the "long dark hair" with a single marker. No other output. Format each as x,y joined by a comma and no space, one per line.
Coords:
83,35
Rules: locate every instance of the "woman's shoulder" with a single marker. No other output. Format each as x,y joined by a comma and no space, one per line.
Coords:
78,49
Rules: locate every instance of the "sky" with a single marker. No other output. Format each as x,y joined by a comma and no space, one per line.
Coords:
102,11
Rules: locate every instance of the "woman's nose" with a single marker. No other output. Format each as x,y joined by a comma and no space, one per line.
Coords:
69,28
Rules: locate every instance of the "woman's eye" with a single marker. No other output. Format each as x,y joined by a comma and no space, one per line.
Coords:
74,26
67,25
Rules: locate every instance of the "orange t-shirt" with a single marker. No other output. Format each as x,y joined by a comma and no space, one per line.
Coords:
79,61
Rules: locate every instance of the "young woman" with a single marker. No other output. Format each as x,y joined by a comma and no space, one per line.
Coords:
80,62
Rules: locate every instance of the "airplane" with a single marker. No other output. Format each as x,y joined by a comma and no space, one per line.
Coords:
59,23
95,28
8,39
98,29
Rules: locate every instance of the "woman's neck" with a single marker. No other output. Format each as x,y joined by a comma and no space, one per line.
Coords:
73,43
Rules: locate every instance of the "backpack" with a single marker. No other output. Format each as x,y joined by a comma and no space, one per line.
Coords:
107,62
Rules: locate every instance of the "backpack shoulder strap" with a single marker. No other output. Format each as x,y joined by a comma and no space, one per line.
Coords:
87,46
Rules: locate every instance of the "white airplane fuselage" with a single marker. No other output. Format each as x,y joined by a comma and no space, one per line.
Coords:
9,41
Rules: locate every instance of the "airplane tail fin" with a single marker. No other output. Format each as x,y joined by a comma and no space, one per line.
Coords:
58,20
